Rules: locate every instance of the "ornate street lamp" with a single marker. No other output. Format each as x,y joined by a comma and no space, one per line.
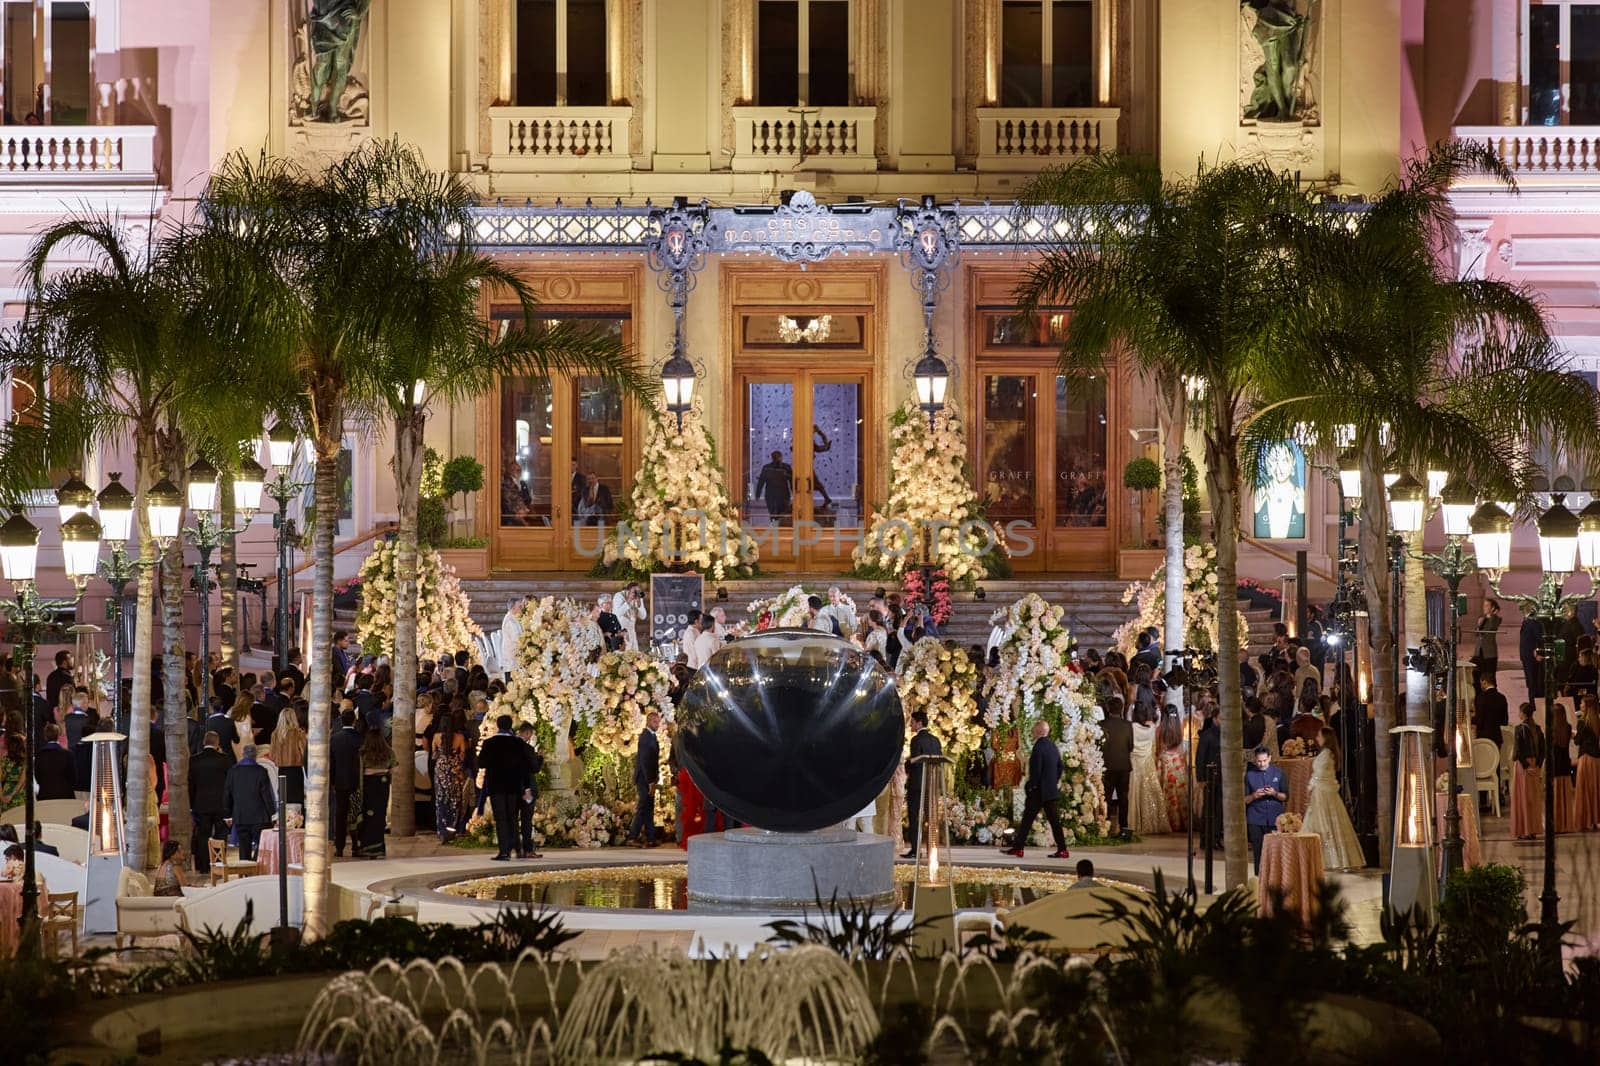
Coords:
1407,503
163,505
677,384
202,486
28,614
1560,535
933,382
116,526
247,485
74,497
280,446
1350,478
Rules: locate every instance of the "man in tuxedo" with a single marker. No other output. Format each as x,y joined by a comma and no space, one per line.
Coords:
923,745
1043,790
525,731
208,778
294,672
1489,711
52,766
646,770
508,780
263,717
344,768
1116,743
60,677
1208,757
219,723
610,625
248,803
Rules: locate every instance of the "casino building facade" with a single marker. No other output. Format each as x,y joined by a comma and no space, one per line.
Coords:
843,168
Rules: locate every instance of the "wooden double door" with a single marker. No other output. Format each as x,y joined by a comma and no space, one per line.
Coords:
801,469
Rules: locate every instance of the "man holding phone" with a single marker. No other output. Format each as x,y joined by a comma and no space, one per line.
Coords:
1265,792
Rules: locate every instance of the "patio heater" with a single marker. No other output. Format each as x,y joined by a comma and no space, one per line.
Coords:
106,839
1413,881
933,900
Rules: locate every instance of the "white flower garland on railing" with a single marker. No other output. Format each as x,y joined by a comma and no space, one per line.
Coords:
937,678
928,483
1037,678
444,613
786,610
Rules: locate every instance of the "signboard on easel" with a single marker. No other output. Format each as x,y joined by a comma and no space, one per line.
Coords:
672,597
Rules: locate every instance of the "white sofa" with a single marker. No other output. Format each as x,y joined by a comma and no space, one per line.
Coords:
223,907
50,812
140,912
63,875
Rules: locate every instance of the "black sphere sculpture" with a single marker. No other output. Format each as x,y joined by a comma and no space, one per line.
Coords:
790,730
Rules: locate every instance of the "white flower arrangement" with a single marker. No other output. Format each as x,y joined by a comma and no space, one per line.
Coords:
631,684
1200,600
678,512
444,613
1037,678
786,611
555,677
929,488
937,678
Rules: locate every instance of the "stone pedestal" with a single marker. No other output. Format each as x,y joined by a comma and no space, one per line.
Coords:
759,870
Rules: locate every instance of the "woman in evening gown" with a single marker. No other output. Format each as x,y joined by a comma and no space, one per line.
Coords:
449,776
1325,813
1527,777
1173,766
1147,807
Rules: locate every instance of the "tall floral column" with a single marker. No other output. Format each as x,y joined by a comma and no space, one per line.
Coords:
444,612
678,515
554,684
930,494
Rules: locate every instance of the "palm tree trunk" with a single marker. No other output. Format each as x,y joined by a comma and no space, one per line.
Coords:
227,576
1375,578
175,698
408,485
139,712
317,881
1170,411
1222,457
1419,686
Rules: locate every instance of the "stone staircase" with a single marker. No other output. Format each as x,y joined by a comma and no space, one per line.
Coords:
1093,604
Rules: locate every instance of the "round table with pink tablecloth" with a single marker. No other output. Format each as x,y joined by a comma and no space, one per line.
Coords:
1291,868
1297,771
267,849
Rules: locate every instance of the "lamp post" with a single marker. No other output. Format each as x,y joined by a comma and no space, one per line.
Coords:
678,380
28,614
1454,563
282,489
207,536
116,525
1562,538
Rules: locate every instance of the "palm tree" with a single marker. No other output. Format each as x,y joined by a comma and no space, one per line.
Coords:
358,244
1384,336
437,345
114,342
1184,274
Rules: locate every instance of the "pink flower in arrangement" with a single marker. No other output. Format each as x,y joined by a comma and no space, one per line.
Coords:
914,594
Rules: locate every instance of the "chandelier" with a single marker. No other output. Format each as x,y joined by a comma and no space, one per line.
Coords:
805,329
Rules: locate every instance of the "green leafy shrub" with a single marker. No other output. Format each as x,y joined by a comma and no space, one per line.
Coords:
433,524
461,474
1141,475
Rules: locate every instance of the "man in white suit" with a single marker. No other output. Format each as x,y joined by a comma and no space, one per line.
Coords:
510,636
628,605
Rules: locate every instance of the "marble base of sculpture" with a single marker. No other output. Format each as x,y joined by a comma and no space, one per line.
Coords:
753,869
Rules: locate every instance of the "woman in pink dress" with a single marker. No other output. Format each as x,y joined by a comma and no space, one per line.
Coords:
1586,801
1174,770
1527,779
